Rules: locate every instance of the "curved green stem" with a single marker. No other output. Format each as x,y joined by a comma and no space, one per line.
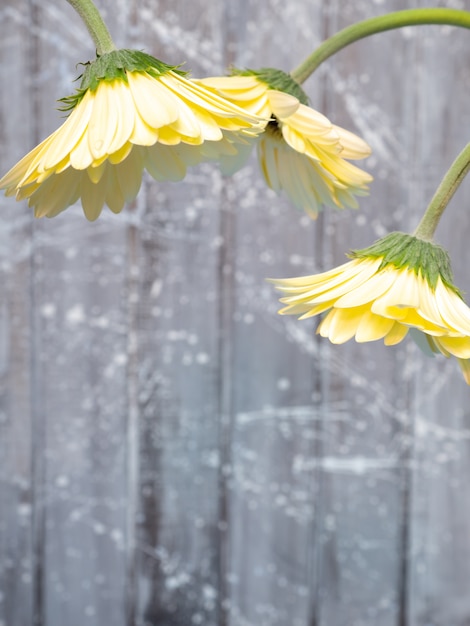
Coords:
95,25
398,19
449,185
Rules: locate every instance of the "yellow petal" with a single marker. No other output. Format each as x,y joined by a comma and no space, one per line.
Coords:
331,278
367,290
457,346
372,327
156,105
95,173
342,324
234,87
125,114
164,163
121,154
282,104
56,193
69,134
80,155
403,293
143,134
129,173
197,95
103,121
452,308
396,334
465,367
19,173
93,196
353,147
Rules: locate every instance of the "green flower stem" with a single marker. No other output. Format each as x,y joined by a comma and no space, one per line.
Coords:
449,185
398,19
95,25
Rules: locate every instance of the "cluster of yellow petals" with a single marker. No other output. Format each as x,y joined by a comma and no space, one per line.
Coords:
301,151
369,303
162,124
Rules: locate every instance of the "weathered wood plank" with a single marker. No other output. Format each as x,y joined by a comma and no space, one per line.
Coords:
80,312
178,253
439,515
18,562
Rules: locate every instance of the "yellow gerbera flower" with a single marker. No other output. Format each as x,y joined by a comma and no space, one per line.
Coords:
301,151
132,112
397,284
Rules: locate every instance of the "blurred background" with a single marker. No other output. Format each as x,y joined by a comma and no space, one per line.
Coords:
173,452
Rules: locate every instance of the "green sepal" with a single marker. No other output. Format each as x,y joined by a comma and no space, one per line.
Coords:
276,79
113,66
404,251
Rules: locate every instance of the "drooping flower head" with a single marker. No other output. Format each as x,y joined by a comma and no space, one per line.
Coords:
301,151
397,284
131,112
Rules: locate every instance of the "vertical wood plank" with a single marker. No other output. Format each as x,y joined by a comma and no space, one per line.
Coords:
17,497
439,517
271,509
79,308
361,567
178,257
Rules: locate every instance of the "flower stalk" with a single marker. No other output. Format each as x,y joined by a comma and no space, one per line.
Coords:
449,185
390,21
95,25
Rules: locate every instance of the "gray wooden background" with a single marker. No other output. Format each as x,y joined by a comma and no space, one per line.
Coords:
173,452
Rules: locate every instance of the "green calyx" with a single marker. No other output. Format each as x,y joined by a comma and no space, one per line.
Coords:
404,251
114,65
276,79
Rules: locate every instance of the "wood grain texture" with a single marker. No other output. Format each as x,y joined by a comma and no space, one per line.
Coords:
173,452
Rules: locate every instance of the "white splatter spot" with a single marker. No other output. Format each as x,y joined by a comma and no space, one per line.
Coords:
120,359
24,509
295,259
100,322
75,315
283,384
173,582
99,528
48,310
156,288
117,536
62,481
202,358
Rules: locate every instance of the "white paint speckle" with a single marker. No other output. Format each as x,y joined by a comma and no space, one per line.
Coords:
283,384
120,359
202,358
99,528
62,481
295,259
156,288
48,310
24,509
75,315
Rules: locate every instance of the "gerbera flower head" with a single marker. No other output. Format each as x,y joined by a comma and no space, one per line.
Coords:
132,112
399,283
301,152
